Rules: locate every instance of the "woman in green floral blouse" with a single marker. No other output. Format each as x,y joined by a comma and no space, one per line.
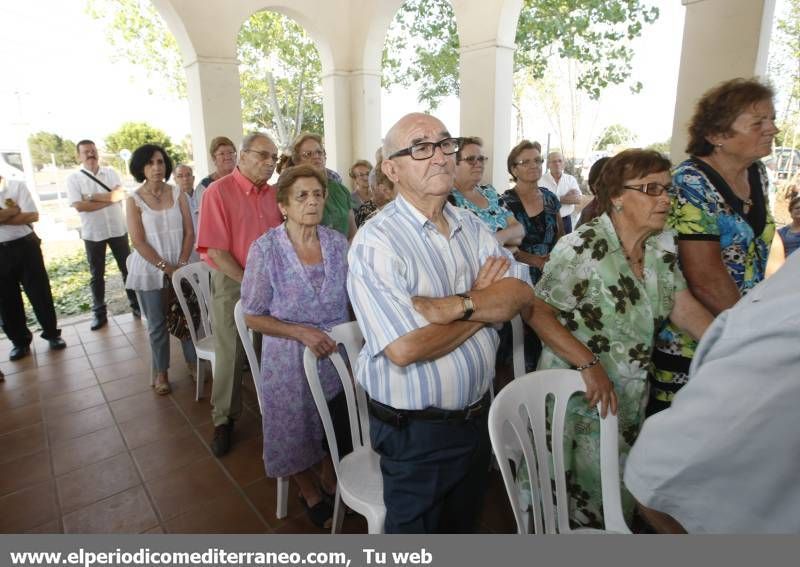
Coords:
602,297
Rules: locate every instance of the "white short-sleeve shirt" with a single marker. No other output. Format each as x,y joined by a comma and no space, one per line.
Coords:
106,223
564,185
15,191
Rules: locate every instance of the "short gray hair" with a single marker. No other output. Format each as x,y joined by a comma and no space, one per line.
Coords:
248,140
180,165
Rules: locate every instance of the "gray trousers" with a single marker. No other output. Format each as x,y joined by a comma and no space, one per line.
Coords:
152,305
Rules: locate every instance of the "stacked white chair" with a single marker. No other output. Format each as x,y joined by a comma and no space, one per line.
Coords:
518,431
198,274
255,370
358,474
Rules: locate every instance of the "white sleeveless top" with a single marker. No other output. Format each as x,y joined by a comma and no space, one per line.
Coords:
163,230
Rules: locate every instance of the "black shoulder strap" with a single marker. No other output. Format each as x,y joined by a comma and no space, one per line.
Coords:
96,180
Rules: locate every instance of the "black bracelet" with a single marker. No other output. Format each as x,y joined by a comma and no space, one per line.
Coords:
595,360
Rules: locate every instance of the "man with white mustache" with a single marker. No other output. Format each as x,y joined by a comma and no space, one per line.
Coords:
97,194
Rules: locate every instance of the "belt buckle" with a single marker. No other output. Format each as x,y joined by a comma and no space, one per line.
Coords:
473,411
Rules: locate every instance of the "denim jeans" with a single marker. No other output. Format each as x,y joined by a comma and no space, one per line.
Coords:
152,305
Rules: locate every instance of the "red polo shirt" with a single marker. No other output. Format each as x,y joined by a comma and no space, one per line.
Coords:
233,214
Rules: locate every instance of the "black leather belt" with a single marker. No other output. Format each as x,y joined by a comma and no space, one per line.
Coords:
17,241
400,418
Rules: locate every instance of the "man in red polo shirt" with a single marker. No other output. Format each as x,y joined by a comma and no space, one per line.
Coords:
237,209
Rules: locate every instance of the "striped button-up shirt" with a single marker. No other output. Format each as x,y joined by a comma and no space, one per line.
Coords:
400,254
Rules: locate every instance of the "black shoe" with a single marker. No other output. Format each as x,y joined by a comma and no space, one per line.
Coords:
57,343
221,443
136,312
320,514
99,322
19,352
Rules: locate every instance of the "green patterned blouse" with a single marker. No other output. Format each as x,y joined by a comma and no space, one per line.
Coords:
616,315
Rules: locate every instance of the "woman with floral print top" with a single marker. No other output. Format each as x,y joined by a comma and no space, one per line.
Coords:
604,293
483,200
720,214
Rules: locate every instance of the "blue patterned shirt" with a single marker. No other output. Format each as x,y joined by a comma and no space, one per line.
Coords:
399,254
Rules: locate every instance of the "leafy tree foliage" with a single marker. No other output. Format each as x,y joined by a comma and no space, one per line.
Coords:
615,135
280,67
131,135
595,33
139,35
784,70
281,77
662,147
46,146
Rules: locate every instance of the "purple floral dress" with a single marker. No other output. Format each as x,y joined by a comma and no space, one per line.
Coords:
276,283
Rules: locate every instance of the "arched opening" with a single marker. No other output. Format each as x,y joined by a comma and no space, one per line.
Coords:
421,63
280,75
577,72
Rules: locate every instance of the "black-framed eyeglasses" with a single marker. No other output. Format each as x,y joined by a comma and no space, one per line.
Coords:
529,162
312,154
651,189
472,160
265,155
425,150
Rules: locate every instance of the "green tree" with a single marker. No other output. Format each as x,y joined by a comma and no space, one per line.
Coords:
594,33
139,35
662,147
281,77
131,135
280,68
784,71
615,135
46,146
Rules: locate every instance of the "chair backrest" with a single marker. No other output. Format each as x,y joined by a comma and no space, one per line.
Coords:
518,429
249,350
198,274
518,341
349,336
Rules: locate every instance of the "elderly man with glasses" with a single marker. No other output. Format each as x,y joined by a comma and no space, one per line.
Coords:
236,210
426,281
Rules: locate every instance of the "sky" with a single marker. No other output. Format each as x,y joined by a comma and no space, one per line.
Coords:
59,76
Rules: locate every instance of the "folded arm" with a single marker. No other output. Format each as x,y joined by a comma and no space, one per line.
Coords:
13,216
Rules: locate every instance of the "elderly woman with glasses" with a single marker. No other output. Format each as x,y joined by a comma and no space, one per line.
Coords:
483,200
307,149
603,295
361,191
535,207
720,213
223,156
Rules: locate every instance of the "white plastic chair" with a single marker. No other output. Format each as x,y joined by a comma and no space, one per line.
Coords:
359,480
517,419
255,370
198,274
518,341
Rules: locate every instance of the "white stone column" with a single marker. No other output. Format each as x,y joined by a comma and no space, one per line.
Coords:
486,73
215,106
365,96
722,39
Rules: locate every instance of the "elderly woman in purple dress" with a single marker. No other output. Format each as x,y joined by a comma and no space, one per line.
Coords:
293,291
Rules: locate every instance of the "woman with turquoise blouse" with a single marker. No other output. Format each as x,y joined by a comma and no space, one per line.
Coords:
721,215
483,200
604,293
536,208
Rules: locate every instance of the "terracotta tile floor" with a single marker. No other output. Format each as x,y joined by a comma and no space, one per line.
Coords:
87,447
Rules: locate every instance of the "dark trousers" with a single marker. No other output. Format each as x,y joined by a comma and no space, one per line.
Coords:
96,256
21,264
567,220
435,474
